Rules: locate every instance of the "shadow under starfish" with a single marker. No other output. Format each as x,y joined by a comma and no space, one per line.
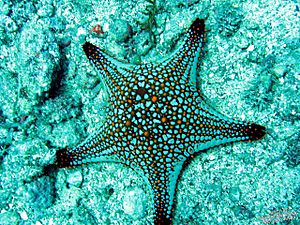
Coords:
157,119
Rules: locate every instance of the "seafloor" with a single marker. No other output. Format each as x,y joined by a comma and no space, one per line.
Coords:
51,97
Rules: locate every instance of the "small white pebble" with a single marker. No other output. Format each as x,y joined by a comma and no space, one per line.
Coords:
51,222
212,157
24,215
281,80
250,48
133,203
128,203
81,31
75,179
105,27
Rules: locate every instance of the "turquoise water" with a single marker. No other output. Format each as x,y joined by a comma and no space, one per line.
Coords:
52,98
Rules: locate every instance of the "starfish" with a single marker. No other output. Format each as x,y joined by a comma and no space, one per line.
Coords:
157,119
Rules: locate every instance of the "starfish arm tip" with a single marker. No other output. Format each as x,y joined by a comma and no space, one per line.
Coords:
87,47
63,159
198,25
256,132
162,220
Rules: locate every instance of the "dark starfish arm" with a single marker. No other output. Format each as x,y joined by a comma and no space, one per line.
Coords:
113,73
164,183
97,148
185,61
230,132
215,129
